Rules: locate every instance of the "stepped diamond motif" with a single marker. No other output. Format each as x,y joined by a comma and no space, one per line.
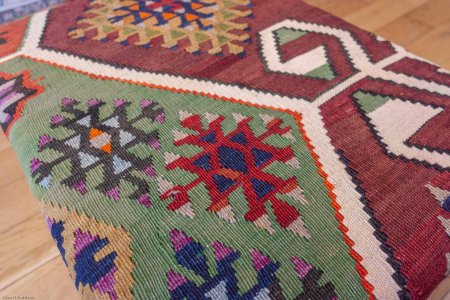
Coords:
105,143
207,24
237,160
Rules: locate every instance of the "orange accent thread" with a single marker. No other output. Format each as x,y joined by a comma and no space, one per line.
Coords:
94,132
216,207
196,5
106,148
229,173
292,185
168,16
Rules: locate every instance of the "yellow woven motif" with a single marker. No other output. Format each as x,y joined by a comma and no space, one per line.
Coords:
195,25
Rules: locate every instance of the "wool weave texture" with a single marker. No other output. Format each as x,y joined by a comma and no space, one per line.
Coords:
230,149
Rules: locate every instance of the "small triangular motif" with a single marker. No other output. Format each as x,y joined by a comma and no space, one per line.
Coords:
301,266
439,194
80,186
261,188
266,118
145,200
238,117
112,122
86,121
260,261
264,223
163,185
324,72
223,183
218,292
175,280
186,210
114,193
293,162
286,35
179,135
239,138
183,115
211,117
298,227
220,250
125,137
209,138
170,157
369,102
260,157
227,214
45,183
120,164
74,142
203,162
86,159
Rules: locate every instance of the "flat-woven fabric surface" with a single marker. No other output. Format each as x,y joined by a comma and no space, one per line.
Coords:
230,149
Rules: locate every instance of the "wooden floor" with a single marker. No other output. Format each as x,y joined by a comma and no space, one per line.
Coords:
29,261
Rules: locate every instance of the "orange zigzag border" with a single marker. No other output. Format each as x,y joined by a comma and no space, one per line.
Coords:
297,116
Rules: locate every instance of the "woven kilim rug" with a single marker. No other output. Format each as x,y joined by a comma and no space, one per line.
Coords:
230,149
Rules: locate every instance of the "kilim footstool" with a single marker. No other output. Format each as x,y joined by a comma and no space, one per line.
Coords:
230,149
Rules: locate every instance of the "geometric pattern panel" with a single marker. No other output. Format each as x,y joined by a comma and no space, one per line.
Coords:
179,33
204,23
237,161
260,158
439,187
371,124
422,139
98,256
297,49
94,141
242,149
396,121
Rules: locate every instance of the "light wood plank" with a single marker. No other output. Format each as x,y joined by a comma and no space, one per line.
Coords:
434,45
4,143
336,7
434,13
403,30
49,281
382,12
17,206
442,292
24,248
10,169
